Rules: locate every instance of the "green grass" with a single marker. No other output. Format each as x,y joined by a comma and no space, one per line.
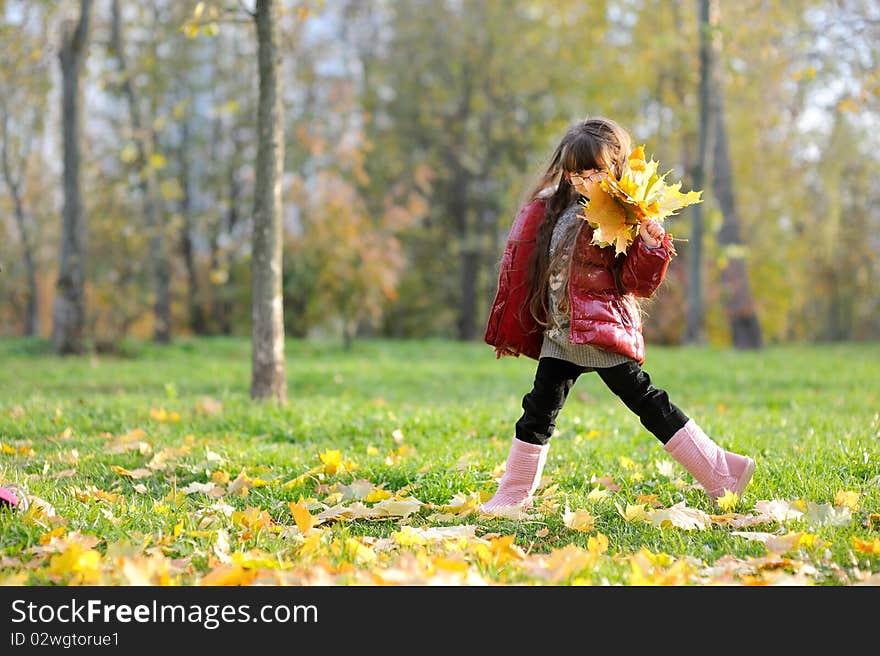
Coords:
808,414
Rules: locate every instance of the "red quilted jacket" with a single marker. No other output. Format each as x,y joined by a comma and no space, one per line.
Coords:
599,314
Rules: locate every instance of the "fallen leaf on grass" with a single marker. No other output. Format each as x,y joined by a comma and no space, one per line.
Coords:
560,565
649,500
461,505
781,544
211,489
499,551
303,518
597,494
396,508
412,536
252,518
229,575
81,564
331,459
647,568
825,514
134,473
357,489
92,493
632,512
737,520
65,473
867,546
579,520
161,414
848,499
779,510
680,516
607,482
665,468
728,501
243,483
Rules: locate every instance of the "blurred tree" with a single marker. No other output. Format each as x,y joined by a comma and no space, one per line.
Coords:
740,306
69,310
466,96
268,378
24,85
148,159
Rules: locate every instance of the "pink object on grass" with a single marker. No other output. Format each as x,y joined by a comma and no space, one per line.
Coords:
713,467
9,497
522,473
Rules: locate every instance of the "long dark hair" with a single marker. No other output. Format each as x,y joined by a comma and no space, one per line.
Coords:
595,143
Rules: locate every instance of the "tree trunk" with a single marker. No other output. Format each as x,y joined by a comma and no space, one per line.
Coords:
158,255
146,141
232,216
694,323
68,312
740,307
268,377
32,314
458,206
196,316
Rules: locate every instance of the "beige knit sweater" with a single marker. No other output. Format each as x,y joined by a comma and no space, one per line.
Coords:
556,335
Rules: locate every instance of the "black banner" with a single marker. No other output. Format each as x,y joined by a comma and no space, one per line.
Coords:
110,620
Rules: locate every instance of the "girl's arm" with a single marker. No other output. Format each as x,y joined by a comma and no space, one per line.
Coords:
644,266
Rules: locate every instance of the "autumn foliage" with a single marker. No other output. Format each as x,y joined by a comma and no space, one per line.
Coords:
615,207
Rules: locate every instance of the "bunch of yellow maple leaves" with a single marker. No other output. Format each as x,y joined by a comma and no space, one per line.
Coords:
615,208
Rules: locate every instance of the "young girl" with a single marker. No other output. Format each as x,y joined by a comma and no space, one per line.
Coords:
570,305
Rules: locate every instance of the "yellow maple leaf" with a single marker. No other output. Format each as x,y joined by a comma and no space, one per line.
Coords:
499,551
229,575
301,515
84,565
252,518
579,520
649,500
377,495
46,538
727,501
597,494
597,544
409,537
848,499
867,546
331,460
135,473
680,516
626,462
633,512
608,219
161,414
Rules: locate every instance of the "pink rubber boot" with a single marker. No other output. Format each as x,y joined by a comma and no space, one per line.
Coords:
525,462
8,497
713,467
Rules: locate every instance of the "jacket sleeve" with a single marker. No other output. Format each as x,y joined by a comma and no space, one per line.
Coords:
644,268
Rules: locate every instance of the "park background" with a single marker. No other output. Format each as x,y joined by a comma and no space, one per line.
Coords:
204,202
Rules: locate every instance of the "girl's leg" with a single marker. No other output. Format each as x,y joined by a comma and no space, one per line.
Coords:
714,468
651,404
528,450
553,381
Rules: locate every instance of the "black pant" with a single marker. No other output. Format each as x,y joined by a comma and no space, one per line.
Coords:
555,378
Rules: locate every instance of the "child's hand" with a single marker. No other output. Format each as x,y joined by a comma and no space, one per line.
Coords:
651,233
